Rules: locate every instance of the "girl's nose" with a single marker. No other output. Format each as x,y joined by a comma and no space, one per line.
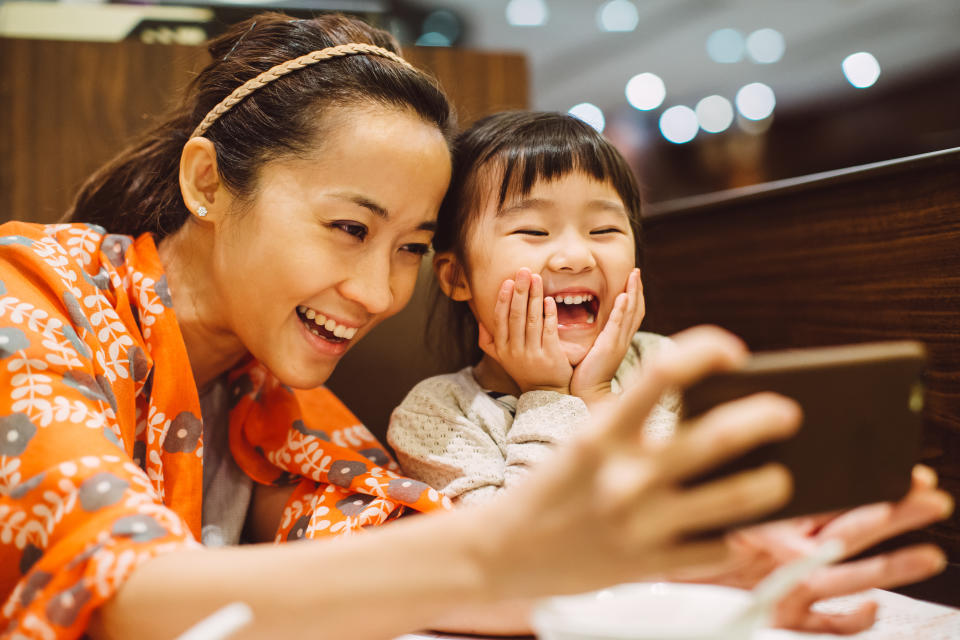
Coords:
572,254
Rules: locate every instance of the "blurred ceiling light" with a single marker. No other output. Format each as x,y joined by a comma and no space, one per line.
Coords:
618,15
766,46
645,91
443,22
589,113
755,101
715,114
433,39
861,69
725,46
679,124
527,13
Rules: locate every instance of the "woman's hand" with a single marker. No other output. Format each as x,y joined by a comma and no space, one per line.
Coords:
525,340
610,507
592,377
760,549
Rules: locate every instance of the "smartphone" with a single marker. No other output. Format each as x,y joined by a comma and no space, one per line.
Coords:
861,428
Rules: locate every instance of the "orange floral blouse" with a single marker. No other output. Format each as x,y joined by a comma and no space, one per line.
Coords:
101,443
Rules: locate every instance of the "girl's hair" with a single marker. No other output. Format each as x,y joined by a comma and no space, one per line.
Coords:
139,190
505,155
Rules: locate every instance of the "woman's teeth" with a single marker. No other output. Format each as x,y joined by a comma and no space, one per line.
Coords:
329,324
574,299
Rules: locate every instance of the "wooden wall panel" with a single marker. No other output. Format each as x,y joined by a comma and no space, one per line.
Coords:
865,254
67,107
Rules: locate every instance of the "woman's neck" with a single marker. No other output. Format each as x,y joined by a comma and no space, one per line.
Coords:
491,376
212,346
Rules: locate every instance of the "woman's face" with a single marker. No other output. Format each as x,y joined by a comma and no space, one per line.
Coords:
332,243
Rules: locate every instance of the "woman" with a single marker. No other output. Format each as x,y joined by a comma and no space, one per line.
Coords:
253,238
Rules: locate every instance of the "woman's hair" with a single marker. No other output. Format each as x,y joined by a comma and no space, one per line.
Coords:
502,156
139,190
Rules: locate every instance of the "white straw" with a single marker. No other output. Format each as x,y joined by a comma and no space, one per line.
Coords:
222,623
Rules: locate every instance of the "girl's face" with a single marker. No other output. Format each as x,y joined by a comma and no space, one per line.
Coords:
575,232
331,244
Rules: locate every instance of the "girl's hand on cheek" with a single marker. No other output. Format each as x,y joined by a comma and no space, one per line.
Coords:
525,341
592,377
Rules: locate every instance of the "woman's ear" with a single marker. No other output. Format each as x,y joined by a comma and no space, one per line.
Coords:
200,185
451,276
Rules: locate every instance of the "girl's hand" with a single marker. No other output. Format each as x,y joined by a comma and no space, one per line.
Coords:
591,378
525,341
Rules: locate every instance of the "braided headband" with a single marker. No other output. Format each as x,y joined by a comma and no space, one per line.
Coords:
290,66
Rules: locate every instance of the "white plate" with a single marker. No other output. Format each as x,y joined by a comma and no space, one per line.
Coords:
644,611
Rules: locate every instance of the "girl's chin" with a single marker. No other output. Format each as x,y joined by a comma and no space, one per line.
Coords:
575,352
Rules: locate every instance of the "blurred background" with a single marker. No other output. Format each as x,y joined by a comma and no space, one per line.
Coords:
700,95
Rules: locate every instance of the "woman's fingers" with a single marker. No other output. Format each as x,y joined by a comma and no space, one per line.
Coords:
863,527
691,355
732,499
727,431
534,325
883,571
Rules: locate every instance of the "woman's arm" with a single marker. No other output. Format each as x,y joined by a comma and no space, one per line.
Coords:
605,510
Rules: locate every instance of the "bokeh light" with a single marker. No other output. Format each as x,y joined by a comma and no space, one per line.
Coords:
589,113
679,124
861,69
714,113
766,46
725,46
645,91
618,15
527,13
756,101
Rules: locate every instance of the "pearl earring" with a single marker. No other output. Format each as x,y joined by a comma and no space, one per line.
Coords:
201,211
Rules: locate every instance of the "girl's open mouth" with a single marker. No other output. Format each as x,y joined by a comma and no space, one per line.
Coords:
578,308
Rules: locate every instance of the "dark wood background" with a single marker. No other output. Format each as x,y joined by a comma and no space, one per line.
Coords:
858,255
67,107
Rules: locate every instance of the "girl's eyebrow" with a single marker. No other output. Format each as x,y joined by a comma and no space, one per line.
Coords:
601,204
523,205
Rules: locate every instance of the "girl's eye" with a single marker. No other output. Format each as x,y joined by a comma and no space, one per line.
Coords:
530,232
606,230
355,229
416,248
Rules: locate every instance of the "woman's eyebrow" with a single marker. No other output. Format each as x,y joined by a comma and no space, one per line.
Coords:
362,201
378,210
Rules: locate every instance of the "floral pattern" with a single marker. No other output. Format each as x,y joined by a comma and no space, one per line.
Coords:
101,440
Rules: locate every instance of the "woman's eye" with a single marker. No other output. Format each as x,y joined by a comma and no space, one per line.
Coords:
416,248
355,229
530,232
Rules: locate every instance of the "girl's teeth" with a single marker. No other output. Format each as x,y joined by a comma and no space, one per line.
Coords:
590,318
330,324
310,314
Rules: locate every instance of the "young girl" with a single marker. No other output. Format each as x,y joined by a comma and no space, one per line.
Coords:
536,247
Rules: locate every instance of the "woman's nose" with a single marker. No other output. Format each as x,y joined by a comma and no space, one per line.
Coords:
369,284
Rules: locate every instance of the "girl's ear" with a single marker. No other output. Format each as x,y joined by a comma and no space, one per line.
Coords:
451,277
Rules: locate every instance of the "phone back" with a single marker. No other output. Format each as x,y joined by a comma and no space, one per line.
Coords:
861,428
